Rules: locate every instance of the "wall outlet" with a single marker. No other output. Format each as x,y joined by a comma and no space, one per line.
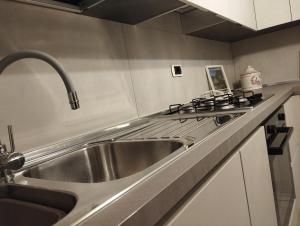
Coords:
176,70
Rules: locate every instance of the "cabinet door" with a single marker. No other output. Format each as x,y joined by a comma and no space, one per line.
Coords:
221,201
255,161
291,110
242,11
270,13
296,176
295,9
294,215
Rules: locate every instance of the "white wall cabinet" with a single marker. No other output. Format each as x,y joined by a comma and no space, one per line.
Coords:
220,7
295,9
270,13
240,11
221,201
255,162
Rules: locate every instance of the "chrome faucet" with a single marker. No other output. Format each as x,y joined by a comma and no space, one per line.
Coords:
10,160
72,95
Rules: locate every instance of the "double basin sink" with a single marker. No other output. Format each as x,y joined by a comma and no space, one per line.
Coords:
91,163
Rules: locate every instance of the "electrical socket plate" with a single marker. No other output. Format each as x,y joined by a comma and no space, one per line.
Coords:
176,70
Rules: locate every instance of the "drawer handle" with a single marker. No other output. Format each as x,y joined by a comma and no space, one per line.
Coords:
278,140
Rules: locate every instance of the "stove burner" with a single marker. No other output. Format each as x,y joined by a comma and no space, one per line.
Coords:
181,109
201,104
187,109
240,101
225,107
174,108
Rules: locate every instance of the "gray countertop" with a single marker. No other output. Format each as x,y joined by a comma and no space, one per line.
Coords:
147,202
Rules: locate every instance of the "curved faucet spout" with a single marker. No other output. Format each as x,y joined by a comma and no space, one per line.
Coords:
72,95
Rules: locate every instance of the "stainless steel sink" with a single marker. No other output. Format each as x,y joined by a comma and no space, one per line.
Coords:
104,161
23,205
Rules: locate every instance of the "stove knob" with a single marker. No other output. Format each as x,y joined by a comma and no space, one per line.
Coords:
281,116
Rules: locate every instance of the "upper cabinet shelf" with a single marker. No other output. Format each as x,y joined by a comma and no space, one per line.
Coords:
131,11
124,11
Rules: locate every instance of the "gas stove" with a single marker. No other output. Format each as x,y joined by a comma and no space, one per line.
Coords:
202,115
219,108
218,104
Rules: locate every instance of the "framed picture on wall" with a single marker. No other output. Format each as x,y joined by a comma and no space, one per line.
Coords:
217,78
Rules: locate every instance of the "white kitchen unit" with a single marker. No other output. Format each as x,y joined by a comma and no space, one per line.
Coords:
220,7
270,13
255,162
239,11
242,11
221,201
295,9
291,110
239,191
296,176
294,215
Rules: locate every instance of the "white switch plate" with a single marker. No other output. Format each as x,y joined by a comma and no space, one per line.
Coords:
176,70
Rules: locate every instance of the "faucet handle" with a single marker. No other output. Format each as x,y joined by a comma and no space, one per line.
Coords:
11,138
2,148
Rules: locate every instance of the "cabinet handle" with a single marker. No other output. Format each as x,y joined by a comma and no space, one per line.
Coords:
277,141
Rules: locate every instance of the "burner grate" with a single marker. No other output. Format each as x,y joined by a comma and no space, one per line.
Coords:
218,103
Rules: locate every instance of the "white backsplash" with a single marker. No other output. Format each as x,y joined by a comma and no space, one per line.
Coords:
120,71
154,46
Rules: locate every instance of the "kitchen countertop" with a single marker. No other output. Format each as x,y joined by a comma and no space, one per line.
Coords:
147,202
144,198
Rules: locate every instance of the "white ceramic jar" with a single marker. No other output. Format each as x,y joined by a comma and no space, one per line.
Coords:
251,80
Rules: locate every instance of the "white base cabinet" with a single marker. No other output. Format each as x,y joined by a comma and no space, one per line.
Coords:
221,201
291,110
294,215
296,176
239,193
258,182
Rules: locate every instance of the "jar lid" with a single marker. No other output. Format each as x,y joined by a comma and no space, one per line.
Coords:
249,70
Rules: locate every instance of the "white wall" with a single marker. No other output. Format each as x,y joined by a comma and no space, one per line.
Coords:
120,71
276,55
32,96
152,50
